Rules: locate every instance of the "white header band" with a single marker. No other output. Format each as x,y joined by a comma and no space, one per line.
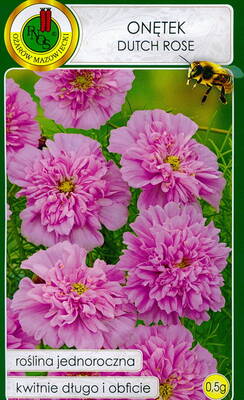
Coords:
153,34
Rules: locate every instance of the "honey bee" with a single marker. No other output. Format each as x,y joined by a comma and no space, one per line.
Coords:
211,75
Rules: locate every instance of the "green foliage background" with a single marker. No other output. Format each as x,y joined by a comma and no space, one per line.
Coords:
165,89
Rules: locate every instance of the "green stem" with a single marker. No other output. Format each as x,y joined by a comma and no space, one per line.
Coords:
227,313
216,130
90,260
60,127
113,125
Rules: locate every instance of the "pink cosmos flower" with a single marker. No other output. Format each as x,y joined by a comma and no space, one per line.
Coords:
168,355
21,127
71,190
83,98
73,305
16,337
160,156
174,264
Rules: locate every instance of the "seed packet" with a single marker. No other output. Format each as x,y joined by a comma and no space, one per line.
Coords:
118,197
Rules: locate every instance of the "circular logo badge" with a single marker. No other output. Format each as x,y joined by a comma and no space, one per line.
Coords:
41,34
216,386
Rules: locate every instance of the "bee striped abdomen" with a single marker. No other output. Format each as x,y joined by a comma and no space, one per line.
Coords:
224,80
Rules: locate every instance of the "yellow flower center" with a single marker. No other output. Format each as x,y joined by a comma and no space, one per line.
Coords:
184,263
79,288
165,391
84,81
174,161
66,186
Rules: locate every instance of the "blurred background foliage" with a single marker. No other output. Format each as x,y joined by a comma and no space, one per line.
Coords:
152,88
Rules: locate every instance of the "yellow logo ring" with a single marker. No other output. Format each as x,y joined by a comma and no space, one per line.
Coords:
45,60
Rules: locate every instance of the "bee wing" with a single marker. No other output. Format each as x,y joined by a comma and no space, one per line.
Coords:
236,71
